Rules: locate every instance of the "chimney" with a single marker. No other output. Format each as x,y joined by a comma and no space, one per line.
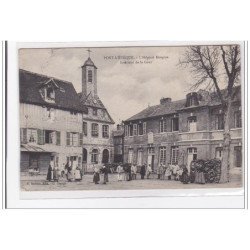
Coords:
165,100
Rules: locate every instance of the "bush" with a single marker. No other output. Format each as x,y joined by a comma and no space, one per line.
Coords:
210,168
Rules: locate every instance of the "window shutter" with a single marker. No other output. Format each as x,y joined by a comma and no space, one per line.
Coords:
68,139
80,138
23,134
40,136
58,138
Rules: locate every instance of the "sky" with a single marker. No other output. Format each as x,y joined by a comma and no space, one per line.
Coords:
125,85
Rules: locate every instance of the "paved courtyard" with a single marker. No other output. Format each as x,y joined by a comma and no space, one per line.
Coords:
39,183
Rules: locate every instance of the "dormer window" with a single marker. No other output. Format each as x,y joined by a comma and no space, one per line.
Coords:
90,76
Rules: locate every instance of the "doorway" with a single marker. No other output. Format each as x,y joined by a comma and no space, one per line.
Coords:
238,156
105,156
191,156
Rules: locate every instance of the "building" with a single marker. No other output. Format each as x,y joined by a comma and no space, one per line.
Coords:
97,124
118,139
178,132
50,122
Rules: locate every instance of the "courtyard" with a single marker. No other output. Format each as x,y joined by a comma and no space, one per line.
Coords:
39,183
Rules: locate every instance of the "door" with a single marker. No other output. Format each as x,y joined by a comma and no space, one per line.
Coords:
33,160
105,156
238,157
152,162
192,156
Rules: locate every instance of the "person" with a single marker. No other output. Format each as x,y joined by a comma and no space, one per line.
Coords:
49,173
133,171
55,173
168,172
129,178
184,176
149,171
78,176
96,176
175,169
199,176
143,171
160,171
119,171
69,174
104,170
125,170
179,173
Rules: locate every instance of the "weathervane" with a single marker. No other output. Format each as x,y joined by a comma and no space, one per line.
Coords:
89,51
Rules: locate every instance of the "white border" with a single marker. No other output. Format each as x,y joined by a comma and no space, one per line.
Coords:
174,198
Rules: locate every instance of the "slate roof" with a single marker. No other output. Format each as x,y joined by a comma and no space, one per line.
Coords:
158,110
66,97
94,102
207,99
89,62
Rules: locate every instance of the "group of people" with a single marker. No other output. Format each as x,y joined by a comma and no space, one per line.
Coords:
68,173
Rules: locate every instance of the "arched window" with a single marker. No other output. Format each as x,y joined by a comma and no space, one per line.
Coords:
84,155
94,156
90,76
105,156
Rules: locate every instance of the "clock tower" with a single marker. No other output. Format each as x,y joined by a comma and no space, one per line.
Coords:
89,77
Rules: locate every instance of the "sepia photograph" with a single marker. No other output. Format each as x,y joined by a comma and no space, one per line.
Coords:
131,117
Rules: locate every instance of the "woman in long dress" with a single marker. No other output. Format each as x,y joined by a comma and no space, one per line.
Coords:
49,173
119,172
78,176
96,176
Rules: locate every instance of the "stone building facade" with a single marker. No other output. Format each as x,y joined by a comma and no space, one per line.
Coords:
178,132
50,122
97,124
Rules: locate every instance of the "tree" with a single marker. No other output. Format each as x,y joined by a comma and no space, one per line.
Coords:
217,67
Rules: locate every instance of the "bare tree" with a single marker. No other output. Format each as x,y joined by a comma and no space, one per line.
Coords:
211,66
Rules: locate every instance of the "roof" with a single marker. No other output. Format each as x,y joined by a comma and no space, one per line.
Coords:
32,148
95,102
158,110
91,101
89,62
205,99
65,94
118,133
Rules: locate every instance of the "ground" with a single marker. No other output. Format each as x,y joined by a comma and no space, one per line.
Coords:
39,183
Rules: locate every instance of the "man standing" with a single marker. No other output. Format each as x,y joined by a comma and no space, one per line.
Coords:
105,174
143,171
134,171
119,172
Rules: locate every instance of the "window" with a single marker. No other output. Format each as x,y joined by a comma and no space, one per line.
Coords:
163,126
175,124
95,111
130,128
130,155
85,128
134,129
218,153
144,128
105,131
94,156
192,123
90,75
139,157
50,113
50,94
126,130
95,129
163,155
84,155
220,122
50,137
73,115
237,119
32,135
140,129
72,139
174,155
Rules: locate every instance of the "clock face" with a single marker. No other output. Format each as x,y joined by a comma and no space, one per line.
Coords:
95,101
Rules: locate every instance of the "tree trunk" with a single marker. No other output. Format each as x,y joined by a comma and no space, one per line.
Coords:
225,163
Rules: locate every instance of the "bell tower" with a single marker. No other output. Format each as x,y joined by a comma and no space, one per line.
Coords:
89,77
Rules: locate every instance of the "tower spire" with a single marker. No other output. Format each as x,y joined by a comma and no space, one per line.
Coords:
89,51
